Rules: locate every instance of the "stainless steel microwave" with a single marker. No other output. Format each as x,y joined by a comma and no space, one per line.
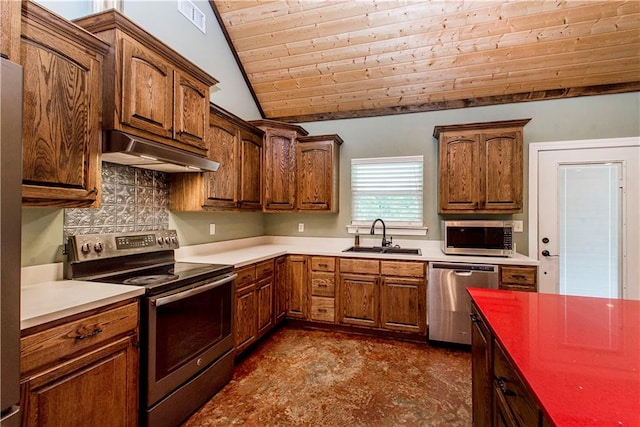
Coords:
487,238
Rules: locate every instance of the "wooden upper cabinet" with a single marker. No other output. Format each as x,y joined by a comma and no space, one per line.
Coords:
250,173
147,93
318,164
481,167
151,90
220,187
10,29
191,109
62,106
237,184
279,164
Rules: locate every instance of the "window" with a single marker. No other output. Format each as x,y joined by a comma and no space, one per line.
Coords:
389,188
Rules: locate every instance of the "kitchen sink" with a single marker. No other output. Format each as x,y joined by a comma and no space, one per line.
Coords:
383,250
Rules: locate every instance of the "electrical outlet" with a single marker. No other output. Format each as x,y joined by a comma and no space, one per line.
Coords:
300,227
212,229
518,226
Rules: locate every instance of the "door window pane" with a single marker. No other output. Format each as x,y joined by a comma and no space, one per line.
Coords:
590,225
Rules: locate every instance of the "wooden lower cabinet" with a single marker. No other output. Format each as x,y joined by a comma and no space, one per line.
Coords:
245,327
481,372
499,396
387,295
519,278
254,303
359,298
322,285
280,289
264,296
297,295
82,372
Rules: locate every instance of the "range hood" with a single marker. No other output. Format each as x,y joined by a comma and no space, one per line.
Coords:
122,148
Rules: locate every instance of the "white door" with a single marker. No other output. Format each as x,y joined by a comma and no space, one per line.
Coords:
588,232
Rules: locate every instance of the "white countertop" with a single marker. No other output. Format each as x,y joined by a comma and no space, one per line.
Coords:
247,251
46,297
52,300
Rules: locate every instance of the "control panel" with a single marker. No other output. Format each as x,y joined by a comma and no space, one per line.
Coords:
86,247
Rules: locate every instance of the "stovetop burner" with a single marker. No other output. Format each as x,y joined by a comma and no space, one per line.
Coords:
153,279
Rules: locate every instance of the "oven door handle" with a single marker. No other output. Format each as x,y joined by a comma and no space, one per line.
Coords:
193,291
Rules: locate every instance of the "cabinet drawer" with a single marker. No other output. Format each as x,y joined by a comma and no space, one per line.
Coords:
264,269
246,277
70,339
323,309
323,264
510,387
323,284
402,269
362,266
518,275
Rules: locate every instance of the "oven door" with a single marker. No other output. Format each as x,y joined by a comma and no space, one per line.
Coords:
187,329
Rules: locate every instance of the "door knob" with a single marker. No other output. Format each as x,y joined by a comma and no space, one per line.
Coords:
545,240
546,253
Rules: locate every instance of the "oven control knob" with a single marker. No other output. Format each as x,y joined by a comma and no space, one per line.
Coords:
174,240
167,240
160,241
98,247
85,248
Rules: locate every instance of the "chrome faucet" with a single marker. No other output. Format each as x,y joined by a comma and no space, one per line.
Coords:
385,242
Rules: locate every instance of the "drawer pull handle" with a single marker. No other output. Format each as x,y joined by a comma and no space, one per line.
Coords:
502,384
323,265
474,318
95,332
322,310
322,285
519,276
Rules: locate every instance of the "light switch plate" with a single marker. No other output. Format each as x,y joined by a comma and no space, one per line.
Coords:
300,227
212,229
518,226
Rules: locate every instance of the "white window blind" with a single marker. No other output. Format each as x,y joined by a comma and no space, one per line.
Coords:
389,188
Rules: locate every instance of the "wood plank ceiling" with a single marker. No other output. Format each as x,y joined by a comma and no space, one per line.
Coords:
308,60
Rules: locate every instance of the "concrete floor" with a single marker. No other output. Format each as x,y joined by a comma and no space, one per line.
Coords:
300,377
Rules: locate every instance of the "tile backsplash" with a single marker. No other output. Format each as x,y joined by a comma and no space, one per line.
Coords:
133,199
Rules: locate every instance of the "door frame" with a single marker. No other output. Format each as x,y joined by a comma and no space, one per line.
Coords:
534,150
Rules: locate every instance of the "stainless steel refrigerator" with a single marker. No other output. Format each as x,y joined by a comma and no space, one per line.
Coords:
10,239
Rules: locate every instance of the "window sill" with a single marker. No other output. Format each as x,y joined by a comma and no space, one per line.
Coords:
391,230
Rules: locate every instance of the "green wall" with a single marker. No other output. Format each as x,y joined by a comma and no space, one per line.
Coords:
604,116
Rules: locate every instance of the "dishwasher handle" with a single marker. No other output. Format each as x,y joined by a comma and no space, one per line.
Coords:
464,268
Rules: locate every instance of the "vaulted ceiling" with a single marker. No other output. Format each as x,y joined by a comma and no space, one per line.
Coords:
308,60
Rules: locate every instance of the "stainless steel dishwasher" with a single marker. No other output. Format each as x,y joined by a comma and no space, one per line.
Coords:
448,303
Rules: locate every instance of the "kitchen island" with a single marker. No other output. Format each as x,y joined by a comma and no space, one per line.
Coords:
570,361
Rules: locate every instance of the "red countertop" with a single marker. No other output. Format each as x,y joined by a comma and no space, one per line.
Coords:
579,356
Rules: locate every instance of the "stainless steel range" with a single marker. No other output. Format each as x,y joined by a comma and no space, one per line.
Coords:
186,329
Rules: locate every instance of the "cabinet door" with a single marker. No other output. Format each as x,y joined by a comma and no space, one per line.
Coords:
280,162
297,294
264,295
359,296
220,186
246,321
501,171
10,29
62,106
250,185
98,389
315,178
481,371
459,171
403,304
147,90
280,282
191,110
